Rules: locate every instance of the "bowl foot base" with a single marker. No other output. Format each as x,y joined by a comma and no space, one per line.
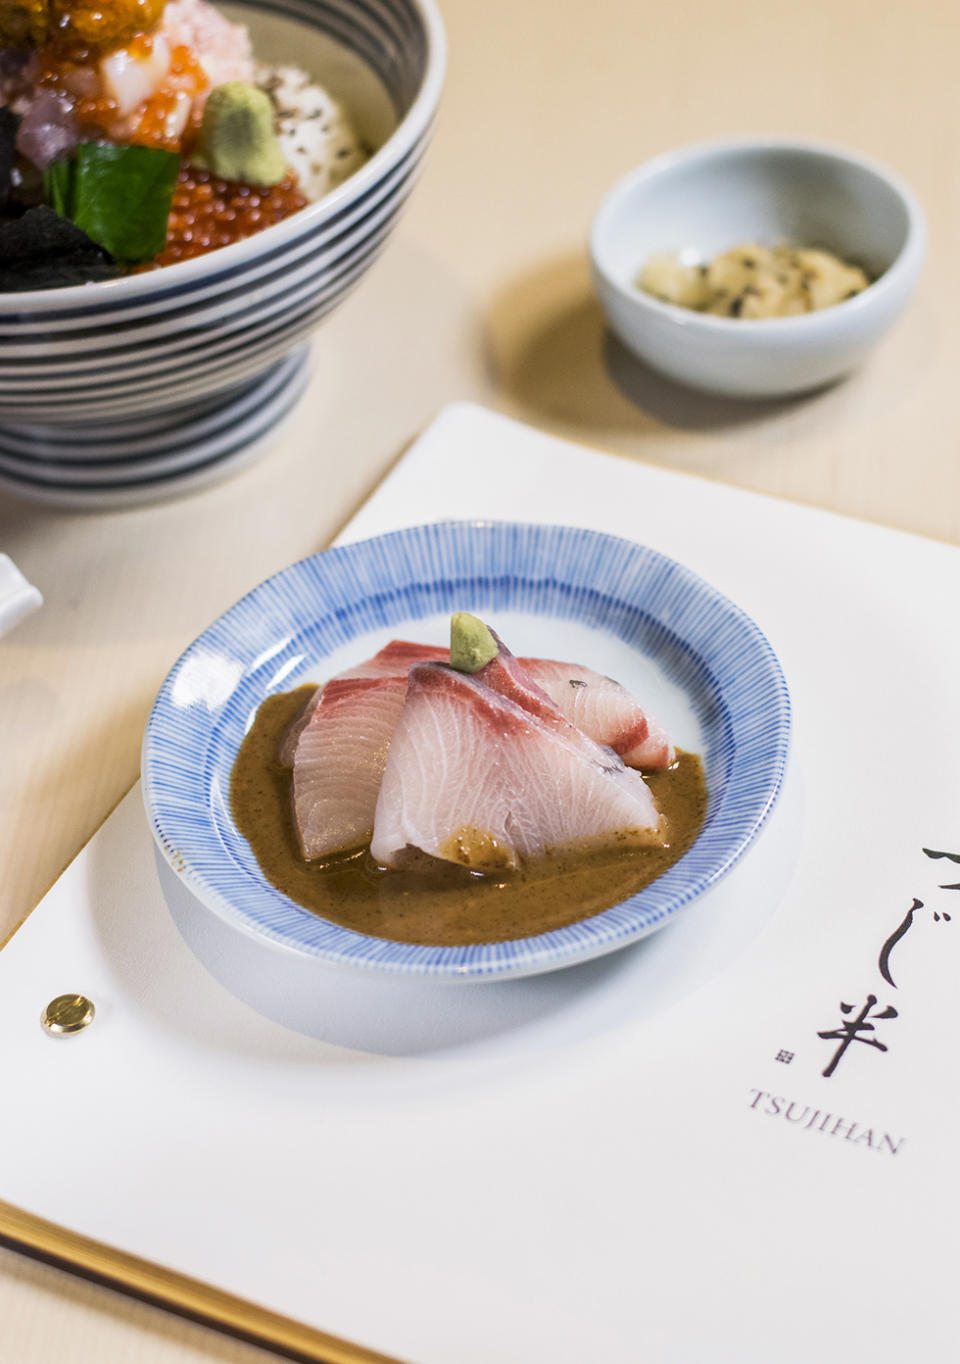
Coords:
127,461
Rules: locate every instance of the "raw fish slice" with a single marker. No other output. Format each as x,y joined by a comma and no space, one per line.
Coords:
512,677
604,710
473,778
509,676
393,660
288,749
339,761
398,657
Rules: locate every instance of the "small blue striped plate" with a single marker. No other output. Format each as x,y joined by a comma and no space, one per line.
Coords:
692,657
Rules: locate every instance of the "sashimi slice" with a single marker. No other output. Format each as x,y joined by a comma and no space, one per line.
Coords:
602,708
288,749
398,657
473,778
510,677
514,678
339,761
394,660
605,710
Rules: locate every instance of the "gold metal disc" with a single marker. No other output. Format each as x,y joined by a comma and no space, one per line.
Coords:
67,1014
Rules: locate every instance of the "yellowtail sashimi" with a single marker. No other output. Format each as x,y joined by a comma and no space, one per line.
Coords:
473,778
339,759
606,711
601,707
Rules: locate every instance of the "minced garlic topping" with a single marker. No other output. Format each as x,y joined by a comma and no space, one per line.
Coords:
753,281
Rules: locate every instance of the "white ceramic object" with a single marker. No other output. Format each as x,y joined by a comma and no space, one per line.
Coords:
710,674
135,388
709,197
18,598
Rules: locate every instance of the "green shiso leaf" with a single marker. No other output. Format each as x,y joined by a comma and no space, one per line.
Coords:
58,186
122,197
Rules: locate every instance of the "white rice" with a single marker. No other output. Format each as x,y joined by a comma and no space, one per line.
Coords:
316,136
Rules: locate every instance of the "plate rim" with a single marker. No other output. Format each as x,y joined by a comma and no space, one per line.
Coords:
494,961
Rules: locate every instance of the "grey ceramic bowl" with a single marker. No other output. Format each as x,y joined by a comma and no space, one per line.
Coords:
127,390
709,197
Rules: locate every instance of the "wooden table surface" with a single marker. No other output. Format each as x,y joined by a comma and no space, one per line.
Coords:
484,293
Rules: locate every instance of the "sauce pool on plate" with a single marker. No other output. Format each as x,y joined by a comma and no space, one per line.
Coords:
441,904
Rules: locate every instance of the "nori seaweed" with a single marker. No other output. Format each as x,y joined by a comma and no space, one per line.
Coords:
9,123
41,250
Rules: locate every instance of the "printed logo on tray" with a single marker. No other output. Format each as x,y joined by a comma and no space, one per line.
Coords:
861,1024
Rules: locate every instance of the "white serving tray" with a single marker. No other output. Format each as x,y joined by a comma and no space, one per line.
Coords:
596,1164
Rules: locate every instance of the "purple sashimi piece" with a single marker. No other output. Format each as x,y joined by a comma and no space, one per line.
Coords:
49,129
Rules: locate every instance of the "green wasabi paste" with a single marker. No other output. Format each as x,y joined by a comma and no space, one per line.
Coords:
472,646
237,137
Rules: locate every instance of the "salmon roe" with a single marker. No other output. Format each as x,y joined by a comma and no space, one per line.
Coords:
208,212
186,76
74,71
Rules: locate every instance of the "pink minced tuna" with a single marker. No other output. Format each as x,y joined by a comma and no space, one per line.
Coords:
223,49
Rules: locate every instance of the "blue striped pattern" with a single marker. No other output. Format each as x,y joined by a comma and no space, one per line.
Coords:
83,358
704,643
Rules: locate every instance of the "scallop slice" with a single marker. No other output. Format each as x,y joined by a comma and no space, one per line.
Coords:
131,78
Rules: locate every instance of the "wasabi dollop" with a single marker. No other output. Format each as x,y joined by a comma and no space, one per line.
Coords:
237,137
472,646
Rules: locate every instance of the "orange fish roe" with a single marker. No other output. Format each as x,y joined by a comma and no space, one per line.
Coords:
73,70
103,25
208,212
186,75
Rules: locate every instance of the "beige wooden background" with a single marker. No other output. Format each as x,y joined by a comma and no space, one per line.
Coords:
484,293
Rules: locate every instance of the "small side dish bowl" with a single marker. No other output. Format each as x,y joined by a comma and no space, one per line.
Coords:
699,662
707,198
118,390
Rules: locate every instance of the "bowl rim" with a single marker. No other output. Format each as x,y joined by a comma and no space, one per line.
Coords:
175,817
903,267
408,132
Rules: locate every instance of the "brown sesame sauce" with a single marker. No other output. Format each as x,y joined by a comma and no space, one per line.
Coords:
436,902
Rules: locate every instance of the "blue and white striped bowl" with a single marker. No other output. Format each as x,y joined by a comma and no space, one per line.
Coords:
560,590
191,345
